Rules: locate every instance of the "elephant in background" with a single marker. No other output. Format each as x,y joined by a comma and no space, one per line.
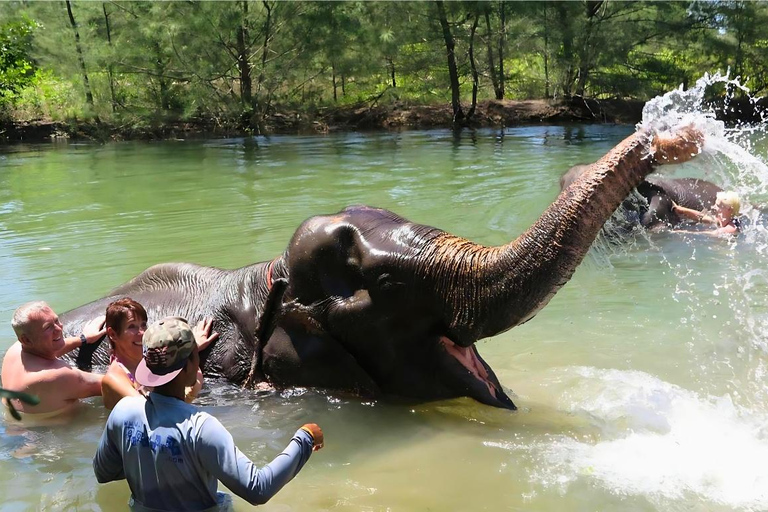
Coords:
655,211
365,301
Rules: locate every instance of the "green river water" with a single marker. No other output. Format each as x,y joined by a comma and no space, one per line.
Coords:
641,386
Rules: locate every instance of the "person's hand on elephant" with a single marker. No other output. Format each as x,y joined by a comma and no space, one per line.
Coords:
203,334
692,214
316,433
677,146
95,329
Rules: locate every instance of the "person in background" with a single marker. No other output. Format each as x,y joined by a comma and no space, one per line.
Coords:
727,206
171,453
126,321
31,365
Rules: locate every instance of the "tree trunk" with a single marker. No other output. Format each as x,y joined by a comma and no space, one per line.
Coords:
585,57
333,78
110,66
502,44
499,94
546,53
80,58
567,42
243,64
391,66
472,64
450,44
265,47
164,94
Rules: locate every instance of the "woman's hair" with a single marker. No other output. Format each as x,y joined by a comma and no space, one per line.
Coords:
117,313
731,199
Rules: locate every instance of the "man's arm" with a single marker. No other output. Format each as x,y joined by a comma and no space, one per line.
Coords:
219,455
70,344
72,383
108,461
93,331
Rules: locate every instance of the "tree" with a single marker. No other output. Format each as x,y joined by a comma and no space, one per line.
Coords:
81,60
450,49
16,66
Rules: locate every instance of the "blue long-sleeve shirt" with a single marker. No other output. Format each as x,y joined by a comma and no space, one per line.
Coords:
172,455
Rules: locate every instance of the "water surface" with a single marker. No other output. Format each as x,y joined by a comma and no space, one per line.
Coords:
641,386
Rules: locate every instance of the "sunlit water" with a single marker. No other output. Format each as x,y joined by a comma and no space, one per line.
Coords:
641,386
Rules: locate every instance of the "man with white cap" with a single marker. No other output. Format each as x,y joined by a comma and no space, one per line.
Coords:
171,453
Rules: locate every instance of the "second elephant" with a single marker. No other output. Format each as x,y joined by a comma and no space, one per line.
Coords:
658,192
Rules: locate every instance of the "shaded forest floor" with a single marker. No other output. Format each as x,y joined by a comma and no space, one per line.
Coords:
499,114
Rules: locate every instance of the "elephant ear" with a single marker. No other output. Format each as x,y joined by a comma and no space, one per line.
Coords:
264,329
651,186
7,395
301,353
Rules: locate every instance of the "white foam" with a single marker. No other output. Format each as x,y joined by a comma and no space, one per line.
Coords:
660,441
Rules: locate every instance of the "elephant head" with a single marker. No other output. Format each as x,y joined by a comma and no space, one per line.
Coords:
383,306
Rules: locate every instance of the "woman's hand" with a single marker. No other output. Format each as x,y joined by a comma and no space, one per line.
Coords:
203,334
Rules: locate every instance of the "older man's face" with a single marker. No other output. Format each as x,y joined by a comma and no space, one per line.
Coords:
44,332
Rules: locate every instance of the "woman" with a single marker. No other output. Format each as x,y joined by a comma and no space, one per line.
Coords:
126,321
727,206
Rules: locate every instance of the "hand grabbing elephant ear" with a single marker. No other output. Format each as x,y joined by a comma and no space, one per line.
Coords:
677,145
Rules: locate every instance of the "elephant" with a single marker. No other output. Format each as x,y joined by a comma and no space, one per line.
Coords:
6,395
365,302
658,192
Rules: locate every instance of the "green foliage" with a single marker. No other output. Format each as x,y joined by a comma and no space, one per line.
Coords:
16,66
47,97
235,62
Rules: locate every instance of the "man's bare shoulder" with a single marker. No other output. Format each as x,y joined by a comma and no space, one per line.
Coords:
12,355
22,370
37,364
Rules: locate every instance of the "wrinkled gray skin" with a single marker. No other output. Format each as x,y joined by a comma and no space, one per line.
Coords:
659,192
382,307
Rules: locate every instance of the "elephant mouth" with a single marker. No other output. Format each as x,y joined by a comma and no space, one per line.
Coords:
477,379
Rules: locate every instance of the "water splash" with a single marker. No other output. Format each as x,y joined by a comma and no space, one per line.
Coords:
670,445
657,441
733,157
733,150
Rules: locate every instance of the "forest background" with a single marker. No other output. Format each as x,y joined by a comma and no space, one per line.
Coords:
132,69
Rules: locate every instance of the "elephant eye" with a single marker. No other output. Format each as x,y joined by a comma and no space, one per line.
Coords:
386,283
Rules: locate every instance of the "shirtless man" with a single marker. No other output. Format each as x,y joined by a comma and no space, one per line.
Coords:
31,364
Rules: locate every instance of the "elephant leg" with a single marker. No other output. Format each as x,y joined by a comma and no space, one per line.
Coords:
659,212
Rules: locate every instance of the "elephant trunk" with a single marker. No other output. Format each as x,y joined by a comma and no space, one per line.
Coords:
488,290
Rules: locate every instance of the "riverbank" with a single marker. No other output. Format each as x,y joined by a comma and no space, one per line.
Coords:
397,116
